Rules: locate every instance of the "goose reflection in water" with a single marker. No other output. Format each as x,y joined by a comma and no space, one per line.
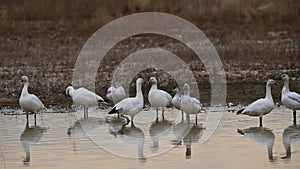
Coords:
195,133
130,135
180,130
158,130
30,136
84,125
260,135
81,127
115,124
290,135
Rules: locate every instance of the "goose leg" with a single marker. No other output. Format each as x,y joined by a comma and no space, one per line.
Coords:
87,109
27,117
288,151
34,119
156,112
196,118
188,118
294,117
127,119
182,116
27,122
163,113
83,111
260,121
132,124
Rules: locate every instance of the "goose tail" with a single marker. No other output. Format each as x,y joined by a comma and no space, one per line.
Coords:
240,111
113,111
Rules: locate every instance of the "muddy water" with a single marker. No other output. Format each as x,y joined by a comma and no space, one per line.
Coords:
68,140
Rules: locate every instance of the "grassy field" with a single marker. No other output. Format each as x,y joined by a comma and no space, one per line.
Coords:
256,40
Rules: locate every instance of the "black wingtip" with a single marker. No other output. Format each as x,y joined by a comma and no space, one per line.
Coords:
113,111
240,131
104,101
240,111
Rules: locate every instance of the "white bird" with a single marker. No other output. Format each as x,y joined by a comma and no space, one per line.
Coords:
116,93
109,92
262,136
130,106
84,97
190,105
29,102
261,106
290,99
176,100
158,98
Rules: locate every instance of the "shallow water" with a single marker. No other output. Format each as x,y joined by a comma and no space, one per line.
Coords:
68,140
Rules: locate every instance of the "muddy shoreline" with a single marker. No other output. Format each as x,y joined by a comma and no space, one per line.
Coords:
48,55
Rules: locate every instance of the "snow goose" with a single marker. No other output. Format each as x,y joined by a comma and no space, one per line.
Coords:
262,136
29,102
84,97
176,100
158,98
116,93
189,104
130,106
290,99
109,92
261,106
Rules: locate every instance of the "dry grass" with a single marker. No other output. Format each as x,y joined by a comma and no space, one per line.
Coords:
196,11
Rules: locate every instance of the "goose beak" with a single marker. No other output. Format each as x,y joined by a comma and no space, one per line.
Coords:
149,82
275,83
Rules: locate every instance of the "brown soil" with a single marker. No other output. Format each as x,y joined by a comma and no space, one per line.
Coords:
46,50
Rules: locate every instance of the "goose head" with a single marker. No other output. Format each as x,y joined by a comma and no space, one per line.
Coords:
152,80
284,77
68,89
271,82
24,79
139,81
186,88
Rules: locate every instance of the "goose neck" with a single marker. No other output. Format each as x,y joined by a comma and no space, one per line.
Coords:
25,89
186,92
71,91
154,86
139,93
286,87
268,93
